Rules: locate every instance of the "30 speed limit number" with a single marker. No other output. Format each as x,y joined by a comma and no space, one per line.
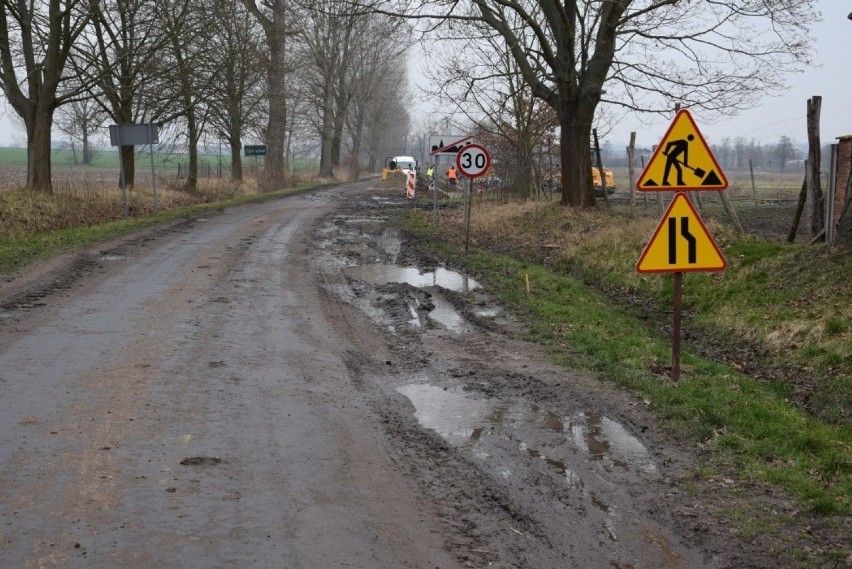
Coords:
473,160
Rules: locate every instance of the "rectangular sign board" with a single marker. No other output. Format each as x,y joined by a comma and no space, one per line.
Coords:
447,144
132,134
258,150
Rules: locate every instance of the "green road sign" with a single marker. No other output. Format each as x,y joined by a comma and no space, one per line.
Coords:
259,150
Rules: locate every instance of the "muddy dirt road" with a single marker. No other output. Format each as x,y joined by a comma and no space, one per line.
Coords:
277,386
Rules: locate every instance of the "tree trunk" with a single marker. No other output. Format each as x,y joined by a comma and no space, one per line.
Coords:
275,171
124,115
87,152
327,134
191,184
575,154
813,174
128,159
38,150
357,133
341,109
236,160
337,134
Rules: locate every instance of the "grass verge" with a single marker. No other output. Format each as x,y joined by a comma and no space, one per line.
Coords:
753,429
18,252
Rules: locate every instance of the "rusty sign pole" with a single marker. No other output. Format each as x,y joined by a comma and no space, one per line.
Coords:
151,138
472,161
676,318
467,194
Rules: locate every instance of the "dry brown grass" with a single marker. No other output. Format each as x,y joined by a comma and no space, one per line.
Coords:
549,233
87,197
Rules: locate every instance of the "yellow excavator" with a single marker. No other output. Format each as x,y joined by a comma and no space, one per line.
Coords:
596,181
402,164
395,171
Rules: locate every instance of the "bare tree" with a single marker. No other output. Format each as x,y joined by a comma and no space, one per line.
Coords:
502,108
80,120
272,17
342,49
785,151
115,59
183,78
381,55
236,93
387,121
36,41
643,55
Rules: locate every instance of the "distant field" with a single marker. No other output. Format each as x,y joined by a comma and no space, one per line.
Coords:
105,167
768,186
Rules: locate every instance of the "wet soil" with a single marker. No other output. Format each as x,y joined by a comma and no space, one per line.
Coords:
293,384
479,385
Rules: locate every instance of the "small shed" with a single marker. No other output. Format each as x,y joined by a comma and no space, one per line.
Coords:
837,197
842,171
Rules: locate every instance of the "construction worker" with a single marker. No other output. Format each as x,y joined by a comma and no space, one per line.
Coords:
430,171
452,177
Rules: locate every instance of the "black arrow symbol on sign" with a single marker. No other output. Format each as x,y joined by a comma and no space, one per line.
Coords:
692,254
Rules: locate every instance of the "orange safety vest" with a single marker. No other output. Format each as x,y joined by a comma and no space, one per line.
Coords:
451,173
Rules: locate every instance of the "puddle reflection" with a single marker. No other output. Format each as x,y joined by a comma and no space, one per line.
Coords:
383,274
391,242
464,420
445,314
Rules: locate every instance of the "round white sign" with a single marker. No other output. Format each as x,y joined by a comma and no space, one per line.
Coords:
473,160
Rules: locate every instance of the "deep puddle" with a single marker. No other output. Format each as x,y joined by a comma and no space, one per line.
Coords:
391,242
383,274
462,420
445,314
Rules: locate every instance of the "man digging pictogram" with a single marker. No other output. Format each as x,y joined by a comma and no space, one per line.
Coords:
673,152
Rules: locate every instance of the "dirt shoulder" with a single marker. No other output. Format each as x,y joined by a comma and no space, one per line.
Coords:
712,505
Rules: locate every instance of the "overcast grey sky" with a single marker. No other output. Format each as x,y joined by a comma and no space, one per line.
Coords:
781,115
784,114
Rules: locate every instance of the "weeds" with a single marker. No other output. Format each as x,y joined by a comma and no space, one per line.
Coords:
35,225
593,311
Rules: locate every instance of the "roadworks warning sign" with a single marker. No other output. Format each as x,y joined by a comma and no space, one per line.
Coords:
681,243
682,161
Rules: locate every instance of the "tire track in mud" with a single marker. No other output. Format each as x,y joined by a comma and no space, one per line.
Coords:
534,472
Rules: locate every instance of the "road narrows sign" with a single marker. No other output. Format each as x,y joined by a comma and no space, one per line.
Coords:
682,161
681,243
473,160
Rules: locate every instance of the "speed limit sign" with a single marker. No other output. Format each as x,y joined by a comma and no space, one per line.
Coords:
473,160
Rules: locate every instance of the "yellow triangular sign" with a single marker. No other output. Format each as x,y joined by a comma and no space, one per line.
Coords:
681,243
682,161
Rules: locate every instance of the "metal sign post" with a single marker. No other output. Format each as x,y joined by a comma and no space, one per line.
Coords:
255,150
434,196
680,244
151,138
472,161
130,135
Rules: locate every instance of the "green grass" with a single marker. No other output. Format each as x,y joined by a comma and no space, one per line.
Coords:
748,422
